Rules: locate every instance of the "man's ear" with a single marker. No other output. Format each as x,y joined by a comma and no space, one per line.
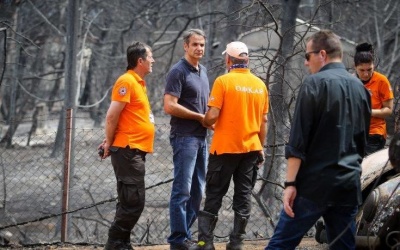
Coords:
324,54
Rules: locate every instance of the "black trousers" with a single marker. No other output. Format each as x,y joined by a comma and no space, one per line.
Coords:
129,169
221,169
374,143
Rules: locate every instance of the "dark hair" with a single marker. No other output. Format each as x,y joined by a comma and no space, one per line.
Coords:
135,51
235,60
364,54
188,33
328,41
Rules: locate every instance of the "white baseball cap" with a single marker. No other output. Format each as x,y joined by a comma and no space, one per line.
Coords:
236,49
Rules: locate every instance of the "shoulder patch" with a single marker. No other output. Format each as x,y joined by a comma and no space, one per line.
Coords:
122,91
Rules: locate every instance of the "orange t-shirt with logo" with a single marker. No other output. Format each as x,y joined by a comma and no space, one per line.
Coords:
136,122
380,90
243,100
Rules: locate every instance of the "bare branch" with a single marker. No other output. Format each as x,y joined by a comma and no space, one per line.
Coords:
45,19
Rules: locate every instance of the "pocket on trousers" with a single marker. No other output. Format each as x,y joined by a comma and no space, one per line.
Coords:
131,195
214,175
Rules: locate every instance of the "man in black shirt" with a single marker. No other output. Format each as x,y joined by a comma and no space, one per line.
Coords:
325,149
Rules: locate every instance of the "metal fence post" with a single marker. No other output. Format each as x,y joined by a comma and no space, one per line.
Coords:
66,175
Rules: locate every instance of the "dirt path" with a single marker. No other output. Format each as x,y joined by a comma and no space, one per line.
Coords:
306,244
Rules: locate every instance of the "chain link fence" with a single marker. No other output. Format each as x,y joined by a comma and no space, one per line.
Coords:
32,187
31,194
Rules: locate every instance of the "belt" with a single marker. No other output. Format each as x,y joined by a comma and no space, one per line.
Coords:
136,150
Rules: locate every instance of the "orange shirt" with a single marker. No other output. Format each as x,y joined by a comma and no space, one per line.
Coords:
243,100
136,122
380,90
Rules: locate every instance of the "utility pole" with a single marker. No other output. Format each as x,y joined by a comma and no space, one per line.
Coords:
72,36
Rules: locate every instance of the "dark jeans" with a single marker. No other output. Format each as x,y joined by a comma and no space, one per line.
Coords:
374,143
221,169
129,169
339,222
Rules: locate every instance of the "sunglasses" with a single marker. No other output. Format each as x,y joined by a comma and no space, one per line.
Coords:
307,55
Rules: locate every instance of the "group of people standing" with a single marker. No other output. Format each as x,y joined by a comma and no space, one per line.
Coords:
327,142
238,100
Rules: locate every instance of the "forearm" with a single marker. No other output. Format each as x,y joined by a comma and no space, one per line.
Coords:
112,119
263,131
110,128
211,116
381,113
293,166
208,121
184,113
385,111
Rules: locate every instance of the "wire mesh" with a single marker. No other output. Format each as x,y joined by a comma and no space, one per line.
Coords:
31,194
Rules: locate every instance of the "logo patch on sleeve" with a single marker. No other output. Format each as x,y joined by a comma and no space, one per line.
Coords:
122,91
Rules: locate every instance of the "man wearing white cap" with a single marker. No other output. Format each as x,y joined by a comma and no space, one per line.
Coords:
238,107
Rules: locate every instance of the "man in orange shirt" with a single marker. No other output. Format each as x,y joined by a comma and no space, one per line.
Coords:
238,109
381,96
129,132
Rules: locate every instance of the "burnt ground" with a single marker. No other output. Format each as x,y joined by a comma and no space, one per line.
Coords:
306,244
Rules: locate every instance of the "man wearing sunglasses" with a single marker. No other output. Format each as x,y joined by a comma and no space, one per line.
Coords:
325,149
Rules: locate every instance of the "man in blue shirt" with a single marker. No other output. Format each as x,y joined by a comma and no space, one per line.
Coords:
185,99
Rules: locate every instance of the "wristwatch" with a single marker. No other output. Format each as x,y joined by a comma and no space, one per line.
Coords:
289,183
